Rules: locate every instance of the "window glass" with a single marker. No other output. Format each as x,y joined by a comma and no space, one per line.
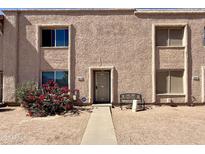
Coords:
46,76
162,82
54,37
170,82
60,37
66,37
169,36
176,82
175,37
46,38
62,78
162,37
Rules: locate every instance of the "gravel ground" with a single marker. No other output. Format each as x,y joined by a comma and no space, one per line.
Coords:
17,128
160,125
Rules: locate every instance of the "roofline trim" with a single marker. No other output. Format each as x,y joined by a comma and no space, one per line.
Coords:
69,9
167,12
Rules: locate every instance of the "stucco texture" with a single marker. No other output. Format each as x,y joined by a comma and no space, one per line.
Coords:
102,38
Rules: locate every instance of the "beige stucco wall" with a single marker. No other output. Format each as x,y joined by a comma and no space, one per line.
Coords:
99,38
54,59
170,58
95,43
1,53
10,47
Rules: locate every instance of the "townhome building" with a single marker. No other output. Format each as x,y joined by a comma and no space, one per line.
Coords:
159,53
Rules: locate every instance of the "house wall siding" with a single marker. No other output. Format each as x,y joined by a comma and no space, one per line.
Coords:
10,49
120,39
170,58
1,53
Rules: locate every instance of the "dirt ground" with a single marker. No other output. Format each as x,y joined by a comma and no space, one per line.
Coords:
17,128
160,125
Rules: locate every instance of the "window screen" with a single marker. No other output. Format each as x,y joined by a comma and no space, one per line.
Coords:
169,36
170,81
162,37
162,82
176,85
175,37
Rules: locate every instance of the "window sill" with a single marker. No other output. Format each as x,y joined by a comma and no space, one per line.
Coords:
54,47
172,94
170,47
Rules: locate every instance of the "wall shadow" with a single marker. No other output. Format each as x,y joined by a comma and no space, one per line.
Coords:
29,58
73,56
115,75
190,97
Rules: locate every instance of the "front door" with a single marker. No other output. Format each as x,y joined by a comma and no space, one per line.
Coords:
101,86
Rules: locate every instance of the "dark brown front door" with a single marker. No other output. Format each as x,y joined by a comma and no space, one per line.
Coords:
101,86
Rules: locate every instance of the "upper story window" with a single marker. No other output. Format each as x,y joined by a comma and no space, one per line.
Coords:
169,36
54,37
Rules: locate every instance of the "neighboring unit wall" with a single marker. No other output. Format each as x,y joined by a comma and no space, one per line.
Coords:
195,51
1,53
10,48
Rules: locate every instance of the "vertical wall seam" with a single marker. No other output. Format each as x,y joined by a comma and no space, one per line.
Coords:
153,65
70,75
202,85
186,59
17,48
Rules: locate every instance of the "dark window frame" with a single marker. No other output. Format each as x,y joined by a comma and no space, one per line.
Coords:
53,37
55,72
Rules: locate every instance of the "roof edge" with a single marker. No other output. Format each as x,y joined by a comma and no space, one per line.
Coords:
169,11
67,9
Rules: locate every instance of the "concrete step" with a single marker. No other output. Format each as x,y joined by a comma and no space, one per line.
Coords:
102,105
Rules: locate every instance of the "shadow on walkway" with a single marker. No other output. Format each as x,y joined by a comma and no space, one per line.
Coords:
6,109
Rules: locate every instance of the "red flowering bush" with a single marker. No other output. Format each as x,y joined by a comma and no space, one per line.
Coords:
50,99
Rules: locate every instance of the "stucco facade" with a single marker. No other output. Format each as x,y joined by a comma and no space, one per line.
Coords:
121,41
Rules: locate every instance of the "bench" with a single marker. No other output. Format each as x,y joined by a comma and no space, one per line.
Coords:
127,99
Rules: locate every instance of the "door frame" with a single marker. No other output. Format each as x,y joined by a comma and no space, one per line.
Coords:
94,85
91,81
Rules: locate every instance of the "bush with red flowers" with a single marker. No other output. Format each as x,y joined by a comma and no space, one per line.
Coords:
50,99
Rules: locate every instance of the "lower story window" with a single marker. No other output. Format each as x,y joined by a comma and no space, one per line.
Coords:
60,77
170,81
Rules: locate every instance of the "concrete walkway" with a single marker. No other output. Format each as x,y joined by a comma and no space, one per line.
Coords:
100,129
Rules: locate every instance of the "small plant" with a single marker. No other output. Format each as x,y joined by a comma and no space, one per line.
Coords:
50,99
